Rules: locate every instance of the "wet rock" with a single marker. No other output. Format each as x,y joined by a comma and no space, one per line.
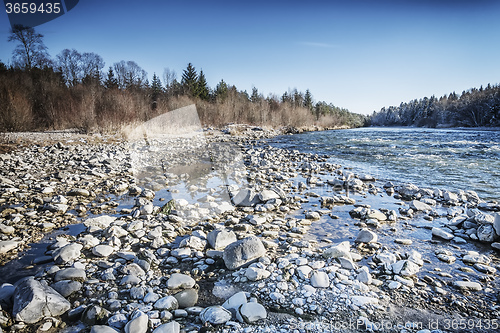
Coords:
243,252
312,216
473,257
67,253
438,232
33,301
366,236
251,313
405,268
102,250
220,238
215,315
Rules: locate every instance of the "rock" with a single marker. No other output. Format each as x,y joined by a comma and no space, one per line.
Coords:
171,327
320,279
393,285
255,274
467,285
67,287
405,268
243,252
268,195
235,301
102,329
99,223
338,250
347,263
408,191
366,236
363,300
496,224
168,303
187,298
420,206
473,257
496,246
246,198
67,253
139,324
103,250
485,268
376,214
446,258
403,241
70,273
438,232
251,313
364,275
312,216
7,230
137,293
220,238
215,315
6,246
486,233
6,292
94,314
180,281
33,301
78,192
450,197
483,218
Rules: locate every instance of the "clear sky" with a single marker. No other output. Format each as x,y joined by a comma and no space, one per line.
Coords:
357,54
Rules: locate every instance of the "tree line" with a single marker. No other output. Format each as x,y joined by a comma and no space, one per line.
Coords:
74,90
473,108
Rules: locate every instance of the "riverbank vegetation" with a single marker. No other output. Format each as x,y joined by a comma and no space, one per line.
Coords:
73,90
473,108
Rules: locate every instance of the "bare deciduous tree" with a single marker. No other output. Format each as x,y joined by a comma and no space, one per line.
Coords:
31,51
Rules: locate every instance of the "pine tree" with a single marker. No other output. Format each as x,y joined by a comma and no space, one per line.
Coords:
255,95
111,82
221,91
190,80
156,90
308,102
203,91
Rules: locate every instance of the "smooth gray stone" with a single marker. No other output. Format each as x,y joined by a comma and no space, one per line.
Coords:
242,252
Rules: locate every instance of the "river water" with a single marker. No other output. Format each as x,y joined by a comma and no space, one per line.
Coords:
451,159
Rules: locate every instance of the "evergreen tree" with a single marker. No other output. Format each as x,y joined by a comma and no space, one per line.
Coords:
156,90
111,82
203,91
255,95
189,81
221,91
308,102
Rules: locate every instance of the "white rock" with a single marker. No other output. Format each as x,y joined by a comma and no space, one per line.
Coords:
363,300
6,246
102,250
338,250
171,327
366,236
438,232
180,281
215,315
255,274
319,279
468,285
251,313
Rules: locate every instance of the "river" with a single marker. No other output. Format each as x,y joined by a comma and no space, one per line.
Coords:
451,159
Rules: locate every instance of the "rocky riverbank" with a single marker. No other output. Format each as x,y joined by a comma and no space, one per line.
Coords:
221,232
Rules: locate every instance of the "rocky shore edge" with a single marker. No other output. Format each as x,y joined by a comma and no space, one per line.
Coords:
242,266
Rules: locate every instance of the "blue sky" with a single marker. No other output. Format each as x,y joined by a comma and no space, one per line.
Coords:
357,54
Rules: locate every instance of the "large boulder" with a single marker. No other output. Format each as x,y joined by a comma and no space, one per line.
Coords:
243,252
34,300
